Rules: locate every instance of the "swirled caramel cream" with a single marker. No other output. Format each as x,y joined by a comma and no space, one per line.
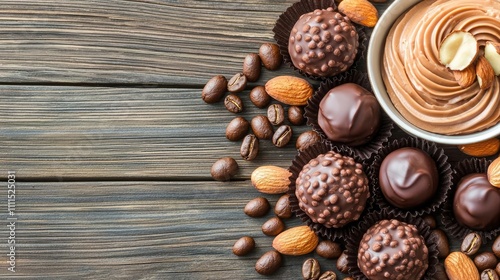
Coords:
423,90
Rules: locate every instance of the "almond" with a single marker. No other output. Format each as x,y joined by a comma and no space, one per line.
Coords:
466,77
289,90
458,50
484,148
359,11
485,73
296,241
494,173
460,267
492,54
270,179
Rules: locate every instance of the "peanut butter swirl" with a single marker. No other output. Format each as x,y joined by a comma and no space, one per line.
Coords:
423,90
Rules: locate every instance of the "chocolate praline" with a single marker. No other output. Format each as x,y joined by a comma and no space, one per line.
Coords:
332,189
323,43
392,249
349,114
476,203
408,177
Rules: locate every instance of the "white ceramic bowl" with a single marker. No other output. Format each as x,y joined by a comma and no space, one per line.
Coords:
374,63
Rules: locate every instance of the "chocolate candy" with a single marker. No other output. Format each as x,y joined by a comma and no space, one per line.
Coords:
476,201
408,177
332,189
349,114
323,43
392,249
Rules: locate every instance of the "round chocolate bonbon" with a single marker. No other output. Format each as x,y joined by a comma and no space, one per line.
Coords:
476,201
408,177
349,114
332,189
392,249
323,43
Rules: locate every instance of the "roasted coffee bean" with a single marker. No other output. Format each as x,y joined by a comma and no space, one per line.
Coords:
261,127
430,220
471,244
237,83
251,67
328,275
296,115
276,114
489,274
249,147
270,56
233,103
273,226
282,136
496,247
269,263
224,169
257,207
237,129
215,89
243,246
497,268
342,263
440,272
442,243
311,269
307,139
328,249
282,208
259,97
485,260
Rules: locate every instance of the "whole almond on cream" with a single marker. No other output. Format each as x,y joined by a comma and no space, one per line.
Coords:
485,73
466,78
359,11
459,266
271,179
289,90
296,241
484,148
493,173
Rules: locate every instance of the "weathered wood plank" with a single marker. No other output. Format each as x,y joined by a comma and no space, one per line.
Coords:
140,230
131,42
55,133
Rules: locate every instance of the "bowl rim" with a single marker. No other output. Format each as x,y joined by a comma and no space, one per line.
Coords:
374,60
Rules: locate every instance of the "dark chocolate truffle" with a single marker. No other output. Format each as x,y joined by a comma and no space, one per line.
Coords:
323,43
408,177
476,203
332,189
349,114
392,249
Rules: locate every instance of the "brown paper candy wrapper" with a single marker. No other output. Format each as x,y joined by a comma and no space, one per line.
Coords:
287,20
302,159
311,110
352,242
444,180
451,225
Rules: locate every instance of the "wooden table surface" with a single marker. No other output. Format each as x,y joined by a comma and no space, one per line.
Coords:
102,121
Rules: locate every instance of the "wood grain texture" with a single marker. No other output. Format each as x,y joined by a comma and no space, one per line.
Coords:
130,42
57,133
141,230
